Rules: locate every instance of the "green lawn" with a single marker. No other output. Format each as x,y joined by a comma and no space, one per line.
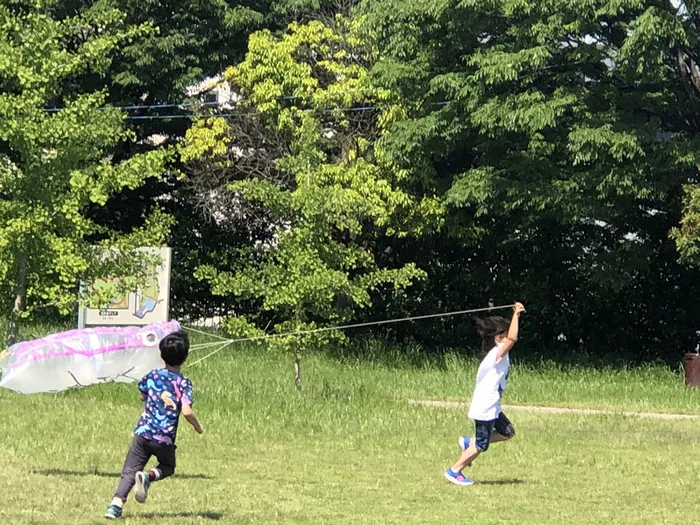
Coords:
350,449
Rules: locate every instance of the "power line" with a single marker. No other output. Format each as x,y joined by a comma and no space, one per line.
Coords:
133,107
185,104
216,115
188,116
191,103
248,114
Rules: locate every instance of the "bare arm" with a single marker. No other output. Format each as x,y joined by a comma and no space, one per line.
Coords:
143,396
513,329
188,414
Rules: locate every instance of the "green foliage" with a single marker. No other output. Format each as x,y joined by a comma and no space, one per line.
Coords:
687,235
315,173
190,41
555,142
54,164
562,134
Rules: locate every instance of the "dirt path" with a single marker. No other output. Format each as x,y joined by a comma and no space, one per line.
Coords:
554,410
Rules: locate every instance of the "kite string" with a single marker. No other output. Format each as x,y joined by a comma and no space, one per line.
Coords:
219,349
342,327
192,329
200,346
212,353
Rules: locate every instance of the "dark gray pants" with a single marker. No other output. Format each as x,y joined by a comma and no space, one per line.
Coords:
140,451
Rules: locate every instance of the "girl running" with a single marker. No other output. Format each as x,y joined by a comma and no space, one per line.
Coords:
491,424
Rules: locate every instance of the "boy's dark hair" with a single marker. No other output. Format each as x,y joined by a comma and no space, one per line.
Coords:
488,328
174,348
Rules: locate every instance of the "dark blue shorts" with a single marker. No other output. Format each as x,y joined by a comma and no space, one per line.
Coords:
484,430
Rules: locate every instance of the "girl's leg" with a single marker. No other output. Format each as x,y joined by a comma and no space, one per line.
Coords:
498,438
503,429
480,443
465,460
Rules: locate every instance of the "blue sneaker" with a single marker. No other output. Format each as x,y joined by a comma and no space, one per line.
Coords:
142,484
464,443
457,478
113,512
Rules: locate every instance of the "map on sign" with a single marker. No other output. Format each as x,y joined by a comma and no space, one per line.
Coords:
148,297
141,301
117,303
147,304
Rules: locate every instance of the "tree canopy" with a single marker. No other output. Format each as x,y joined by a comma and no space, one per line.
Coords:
54,161
302,161
376,159
563,134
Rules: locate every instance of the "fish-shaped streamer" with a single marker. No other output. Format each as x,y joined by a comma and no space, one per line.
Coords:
85,357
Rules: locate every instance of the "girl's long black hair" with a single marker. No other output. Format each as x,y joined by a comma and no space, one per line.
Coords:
488,328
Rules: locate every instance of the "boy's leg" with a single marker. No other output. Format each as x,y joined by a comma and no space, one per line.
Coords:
166,462
497,437
164,469
136,460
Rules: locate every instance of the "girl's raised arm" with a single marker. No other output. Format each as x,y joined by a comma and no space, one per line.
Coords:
512,336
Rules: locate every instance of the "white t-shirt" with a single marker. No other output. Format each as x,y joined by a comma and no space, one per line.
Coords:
491,381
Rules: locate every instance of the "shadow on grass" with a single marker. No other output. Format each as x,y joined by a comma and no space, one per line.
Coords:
210,515
62,472
510,481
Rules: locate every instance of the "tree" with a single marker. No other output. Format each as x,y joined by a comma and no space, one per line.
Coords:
54,163
154,76
298,162
563,133
687,56
687,235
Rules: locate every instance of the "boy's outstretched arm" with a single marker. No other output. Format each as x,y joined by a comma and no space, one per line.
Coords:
191,418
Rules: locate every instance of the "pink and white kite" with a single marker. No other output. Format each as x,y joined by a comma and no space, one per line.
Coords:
83,357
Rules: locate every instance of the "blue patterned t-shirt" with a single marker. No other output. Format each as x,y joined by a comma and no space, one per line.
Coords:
165,393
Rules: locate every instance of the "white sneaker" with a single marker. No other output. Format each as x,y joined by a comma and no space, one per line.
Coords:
142,484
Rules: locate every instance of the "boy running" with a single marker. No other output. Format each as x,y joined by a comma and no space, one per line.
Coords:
491,424
166,393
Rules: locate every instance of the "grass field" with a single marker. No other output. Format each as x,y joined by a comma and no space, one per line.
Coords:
350,449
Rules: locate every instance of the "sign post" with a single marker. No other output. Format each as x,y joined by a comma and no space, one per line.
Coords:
148,304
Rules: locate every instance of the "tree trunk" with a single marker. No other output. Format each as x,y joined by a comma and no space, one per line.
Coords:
297,372
20,297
